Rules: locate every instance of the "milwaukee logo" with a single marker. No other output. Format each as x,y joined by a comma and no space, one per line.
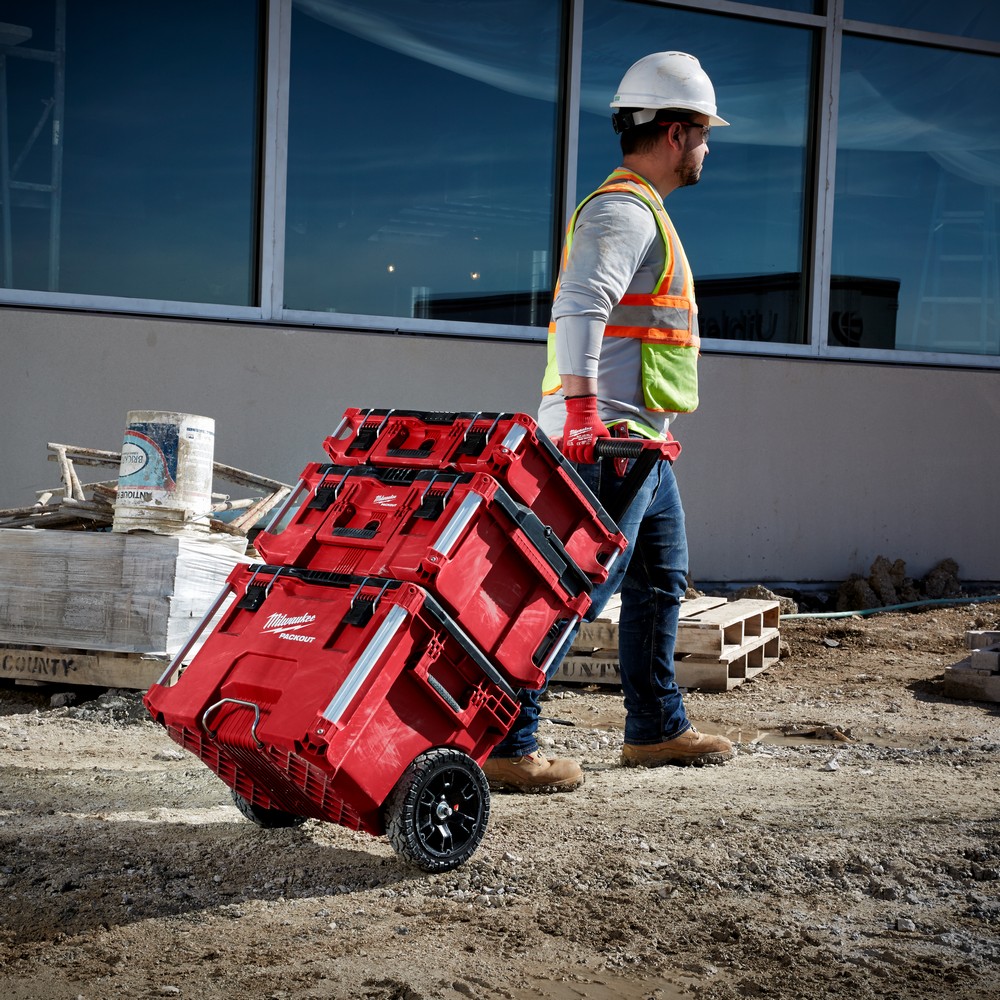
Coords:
387,500
287,623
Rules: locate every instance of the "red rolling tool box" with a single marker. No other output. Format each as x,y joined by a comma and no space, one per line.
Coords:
365,671
351,700
508,446
492,564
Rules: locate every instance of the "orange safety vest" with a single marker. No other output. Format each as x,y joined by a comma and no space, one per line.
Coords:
664,320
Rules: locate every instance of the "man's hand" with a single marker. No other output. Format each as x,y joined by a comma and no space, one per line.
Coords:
583,429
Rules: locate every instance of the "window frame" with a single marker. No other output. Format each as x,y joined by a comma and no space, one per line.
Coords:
829,30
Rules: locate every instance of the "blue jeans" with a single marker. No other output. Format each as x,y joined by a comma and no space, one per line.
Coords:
652,577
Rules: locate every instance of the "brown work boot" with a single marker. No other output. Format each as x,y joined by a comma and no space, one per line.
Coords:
690,747
532,773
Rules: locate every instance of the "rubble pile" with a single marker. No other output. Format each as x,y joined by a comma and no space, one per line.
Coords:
887,585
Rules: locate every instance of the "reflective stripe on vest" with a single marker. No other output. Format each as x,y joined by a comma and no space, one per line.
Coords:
665,320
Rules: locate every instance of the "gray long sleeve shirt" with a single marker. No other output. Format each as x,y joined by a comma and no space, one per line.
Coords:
616,250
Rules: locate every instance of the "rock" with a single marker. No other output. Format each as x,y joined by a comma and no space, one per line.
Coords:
881,580
855,594
942,580
758,592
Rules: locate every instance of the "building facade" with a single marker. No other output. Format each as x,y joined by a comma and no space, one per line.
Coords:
266,212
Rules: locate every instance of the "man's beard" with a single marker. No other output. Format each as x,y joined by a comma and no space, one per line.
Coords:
689,171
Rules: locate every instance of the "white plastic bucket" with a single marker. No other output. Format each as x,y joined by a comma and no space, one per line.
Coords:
165,476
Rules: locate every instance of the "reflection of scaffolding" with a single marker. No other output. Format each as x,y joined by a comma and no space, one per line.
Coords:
16,192
958,306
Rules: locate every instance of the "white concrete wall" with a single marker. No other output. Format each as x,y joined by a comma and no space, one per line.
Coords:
792,470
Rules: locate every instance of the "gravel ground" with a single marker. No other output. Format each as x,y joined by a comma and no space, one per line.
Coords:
851,850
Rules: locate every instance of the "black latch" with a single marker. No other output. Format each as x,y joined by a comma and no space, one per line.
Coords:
361,610
431,506
364,438
325,495
473,443
253,597
545,646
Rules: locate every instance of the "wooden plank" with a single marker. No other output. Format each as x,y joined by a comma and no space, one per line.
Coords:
63,666
35,508
94,456
699,605
752,651
247,520
707,673
85,456
603,667
714,628
596,635
603,633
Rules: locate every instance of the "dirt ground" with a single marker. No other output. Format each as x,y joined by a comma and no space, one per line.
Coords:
809,866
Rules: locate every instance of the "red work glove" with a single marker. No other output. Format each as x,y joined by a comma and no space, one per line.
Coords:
583,429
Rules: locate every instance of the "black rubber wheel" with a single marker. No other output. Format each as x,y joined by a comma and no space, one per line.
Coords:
437,813
269,819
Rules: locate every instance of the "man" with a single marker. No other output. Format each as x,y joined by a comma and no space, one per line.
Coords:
623,348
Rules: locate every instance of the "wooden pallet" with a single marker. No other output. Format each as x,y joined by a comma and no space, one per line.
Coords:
720,644
36,665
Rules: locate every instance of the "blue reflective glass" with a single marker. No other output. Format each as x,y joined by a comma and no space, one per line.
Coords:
917,196
800,6
128,157
742,225
970,18
422,148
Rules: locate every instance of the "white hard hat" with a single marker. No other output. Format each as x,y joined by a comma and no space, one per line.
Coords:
662,80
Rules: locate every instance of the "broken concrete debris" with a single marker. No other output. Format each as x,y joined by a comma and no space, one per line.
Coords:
977,677
887,585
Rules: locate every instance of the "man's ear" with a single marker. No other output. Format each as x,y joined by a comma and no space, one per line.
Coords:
674,135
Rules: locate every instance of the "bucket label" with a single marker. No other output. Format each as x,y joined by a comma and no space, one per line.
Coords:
149,458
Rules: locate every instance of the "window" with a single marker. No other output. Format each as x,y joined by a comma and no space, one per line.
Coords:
971,18
743,225
422,156
917,195
129,148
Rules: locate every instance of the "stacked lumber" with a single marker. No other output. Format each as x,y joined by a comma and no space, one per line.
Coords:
720,644
100,607
977,677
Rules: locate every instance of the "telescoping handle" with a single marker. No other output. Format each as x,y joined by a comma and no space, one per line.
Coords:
646,454
634,447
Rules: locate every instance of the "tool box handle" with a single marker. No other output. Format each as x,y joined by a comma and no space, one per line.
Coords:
646,453
233,701
633,447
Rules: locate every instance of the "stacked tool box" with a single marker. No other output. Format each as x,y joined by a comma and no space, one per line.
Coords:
363,672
